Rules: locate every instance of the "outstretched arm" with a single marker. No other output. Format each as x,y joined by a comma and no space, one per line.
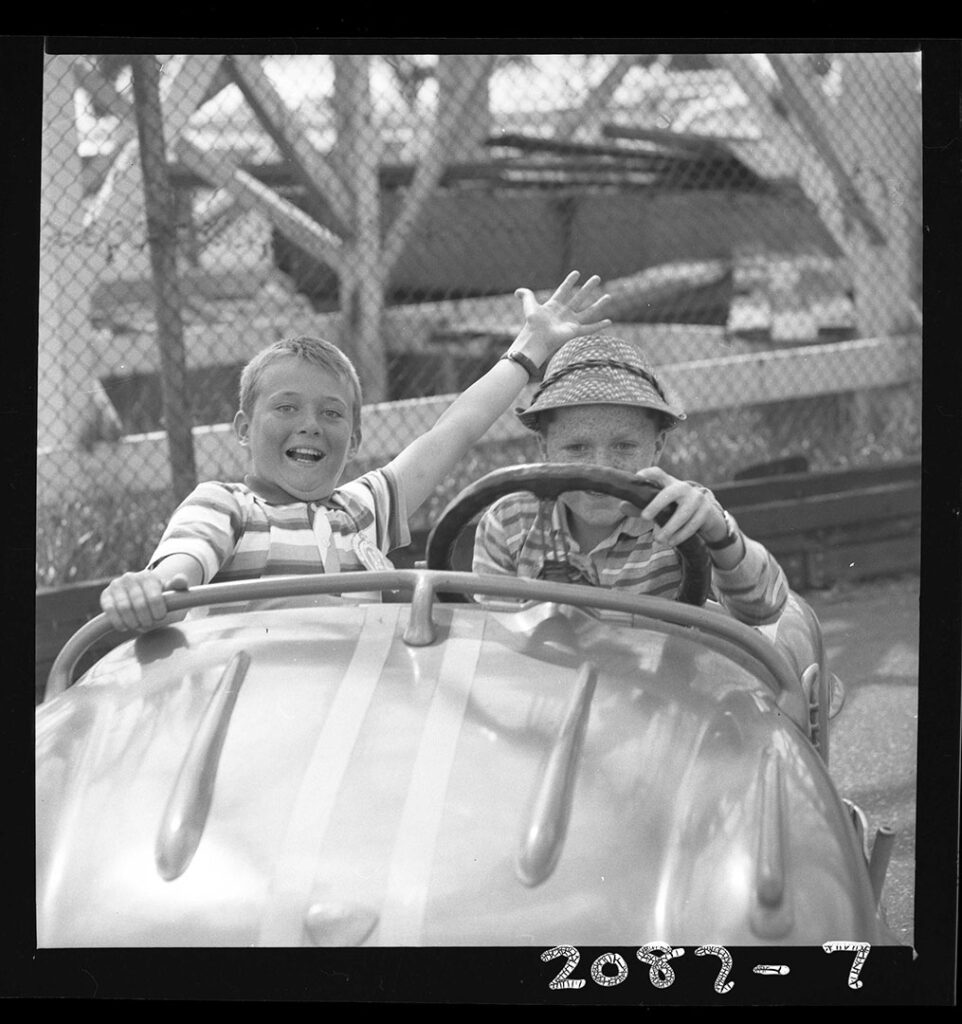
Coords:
572,311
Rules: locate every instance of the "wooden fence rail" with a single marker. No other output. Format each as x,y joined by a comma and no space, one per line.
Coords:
703,385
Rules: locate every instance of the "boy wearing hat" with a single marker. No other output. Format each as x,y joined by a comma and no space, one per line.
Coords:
601,404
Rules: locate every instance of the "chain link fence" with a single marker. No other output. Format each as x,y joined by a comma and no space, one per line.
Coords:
755,218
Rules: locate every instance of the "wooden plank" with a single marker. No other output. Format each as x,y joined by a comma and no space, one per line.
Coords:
290,220
472,69
662,282
700,145
797,372
597,99
794,486
824,511
290,136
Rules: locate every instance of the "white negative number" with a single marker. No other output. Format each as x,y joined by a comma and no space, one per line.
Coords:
721,985
657,955
561,979
598,975
861,951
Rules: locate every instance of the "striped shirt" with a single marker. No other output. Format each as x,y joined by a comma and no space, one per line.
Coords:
236,535
522,536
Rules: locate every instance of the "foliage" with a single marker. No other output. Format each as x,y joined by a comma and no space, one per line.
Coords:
99,536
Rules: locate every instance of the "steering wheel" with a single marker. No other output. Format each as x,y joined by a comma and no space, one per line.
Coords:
548,480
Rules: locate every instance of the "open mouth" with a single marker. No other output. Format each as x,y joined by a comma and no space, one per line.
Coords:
304,456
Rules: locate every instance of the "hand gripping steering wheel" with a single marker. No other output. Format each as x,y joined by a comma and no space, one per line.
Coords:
546,481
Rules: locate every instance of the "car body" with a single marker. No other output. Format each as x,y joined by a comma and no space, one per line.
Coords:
378,759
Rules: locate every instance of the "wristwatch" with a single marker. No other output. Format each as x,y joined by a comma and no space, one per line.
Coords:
533,372
731,537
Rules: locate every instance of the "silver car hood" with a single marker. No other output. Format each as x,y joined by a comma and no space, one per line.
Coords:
532,777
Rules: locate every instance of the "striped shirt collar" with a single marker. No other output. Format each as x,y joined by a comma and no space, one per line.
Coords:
630,526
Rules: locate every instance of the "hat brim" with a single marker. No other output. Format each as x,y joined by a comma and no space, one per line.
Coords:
597,388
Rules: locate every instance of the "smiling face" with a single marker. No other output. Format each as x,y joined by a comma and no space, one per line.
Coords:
622,437
299,430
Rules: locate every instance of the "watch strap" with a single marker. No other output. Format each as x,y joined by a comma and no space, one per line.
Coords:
731,537
534,372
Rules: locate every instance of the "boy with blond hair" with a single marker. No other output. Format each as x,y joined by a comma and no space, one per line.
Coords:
300,420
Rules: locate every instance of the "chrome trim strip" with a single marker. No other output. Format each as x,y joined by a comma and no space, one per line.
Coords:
412,860
288,897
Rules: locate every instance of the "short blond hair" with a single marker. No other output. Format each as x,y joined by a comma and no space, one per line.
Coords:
317,351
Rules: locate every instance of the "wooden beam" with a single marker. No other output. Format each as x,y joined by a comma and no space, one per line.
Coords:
162,243
473,69
885,501
358,151
811,110
596,102
118,206
798,486
786,154
88,77
186,91
689,142
290,136
290,220
799,372
662,282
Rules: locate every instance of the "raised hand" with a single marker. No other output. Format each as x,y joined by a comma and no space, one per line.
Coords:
571,312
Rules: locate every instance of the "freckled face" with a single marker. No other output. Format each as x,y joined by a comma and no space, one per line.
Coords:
300,429
621,437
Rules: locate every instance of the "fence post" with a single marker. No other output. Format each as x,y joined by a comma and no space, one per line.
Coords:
361,281
72,408
162,243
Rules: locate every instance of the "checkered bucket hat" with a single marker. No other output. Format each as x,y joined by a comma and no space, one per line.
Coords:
599,370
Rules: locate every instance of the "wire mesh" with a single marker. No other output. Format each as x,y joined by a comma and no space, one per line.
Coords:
755,218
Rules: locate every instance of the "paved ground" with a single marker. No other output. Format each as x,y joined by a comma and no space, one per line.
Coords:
871,636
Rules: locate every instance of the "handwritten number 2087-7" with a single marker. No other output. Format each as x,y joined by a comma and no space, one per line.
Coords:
611,969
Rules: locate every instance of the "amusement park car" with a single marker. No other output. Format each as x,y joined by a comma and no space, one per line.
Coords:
427,757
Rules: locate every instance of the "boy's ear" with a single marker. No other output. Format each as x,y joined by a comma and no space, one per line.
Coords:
242,426
660,445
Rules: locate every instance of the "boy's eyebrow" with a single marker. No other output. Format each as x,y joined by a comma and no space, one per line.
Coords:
298,394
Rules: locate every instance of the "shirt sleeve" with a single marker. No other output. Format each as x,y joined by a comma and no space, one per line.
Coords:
756,589
206,526
382,491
